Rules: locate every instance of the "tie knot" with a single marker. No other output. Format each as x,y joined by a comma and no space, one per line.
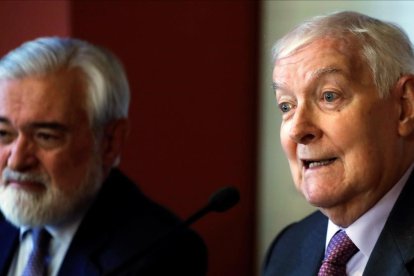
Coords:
340,249
41,238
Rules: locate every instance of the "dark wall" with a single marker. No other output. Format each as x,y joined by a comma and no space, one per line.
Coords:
193,70
25,20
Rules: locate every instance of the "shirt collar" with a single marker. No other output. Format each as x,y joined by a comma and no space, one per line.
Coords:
60,233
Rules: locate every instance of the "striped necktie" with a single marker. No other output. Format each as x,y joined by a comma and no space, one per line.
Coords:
37,263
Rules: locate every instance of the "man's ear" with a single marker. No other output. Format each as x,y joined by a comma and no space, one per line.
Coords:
405,91
113,139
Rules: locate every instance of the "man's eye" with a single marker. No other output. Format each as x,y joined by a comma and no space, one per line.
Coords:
48,140
330,96
5,136
285,107
46,136
3,133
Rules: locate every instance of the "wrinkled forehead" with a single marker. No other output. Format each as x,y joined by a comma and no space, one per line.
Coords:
294,41
323,55
347,44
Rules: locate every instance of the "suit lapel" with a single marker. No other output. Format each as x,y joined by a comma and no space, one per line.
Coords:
79,260
313,250
393,253
8,244
103,240
90,238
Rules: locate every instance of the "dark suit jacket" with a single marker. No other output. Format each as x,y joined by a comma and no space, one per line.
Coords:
299,248
116,233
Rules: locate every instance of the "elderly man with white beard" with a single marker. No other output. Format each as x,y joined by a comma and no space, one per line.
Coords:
63,122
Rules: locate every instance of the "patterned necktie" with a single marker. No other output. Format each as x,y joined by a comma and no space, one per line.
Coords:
36,265
340,250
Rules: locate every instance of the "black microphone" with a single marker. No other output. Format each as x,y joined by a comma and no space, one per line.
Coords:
221,201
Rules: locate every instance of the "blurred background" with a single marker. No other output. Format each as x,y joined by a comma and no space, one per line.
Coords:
203,113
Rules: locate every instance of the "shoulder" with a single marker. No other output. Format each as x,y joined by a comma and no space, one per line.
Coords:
121,201
296,232
296,243
9,241
136,227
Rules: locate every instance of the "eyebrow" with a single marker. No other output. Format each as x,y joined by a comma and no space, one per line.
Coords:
315,75
276,86
49,125
324,71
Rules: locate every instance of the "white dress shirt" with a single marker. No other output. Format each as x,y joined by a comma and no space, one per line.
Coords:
59,244
365,231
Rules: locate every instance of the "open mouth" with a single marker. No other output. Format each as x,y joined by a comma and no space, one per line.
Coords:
308,164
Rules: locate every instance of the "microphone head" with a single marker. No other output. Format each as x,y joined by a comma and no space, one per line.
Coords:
224,199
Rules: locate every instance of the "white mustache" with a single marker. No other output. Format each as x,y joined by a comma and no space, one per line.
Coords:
11,175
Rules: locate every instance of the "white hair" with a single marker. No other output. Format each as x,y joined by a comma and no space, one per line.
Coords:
385,46
107,85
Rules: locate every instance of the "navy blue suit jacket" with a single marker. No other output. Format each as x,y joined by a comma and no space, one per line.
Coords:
119,227
298,250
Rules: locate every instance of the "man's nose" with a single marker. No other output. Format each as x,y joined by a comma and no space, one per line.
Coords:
22,154
304,127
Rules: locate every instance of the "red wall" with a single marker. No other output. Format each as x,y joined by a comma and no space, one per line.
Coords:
25,20
193,72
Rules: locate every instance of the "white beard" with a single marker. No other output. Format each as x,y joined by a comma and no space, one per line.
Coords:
52,207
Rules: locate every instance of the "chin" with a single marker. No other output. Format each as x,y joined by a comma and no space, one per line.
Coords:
54,206
320,199
23,208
